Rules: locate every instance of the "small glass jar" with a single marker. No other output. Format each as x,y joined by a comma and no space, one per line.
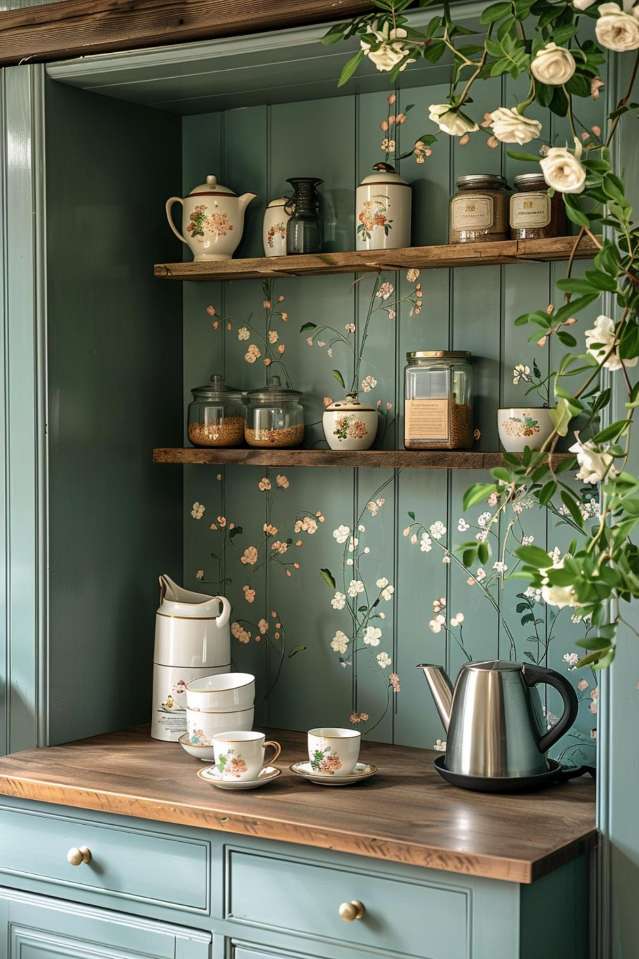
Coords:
274,418
216,415
479,209
533,213
438,411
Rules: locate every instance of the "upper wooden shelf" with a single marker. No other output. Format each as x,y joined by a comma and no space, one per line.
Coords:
366,459
415,257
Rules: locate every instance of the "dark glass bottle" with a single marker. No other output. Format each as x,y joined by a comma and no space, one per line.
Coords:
303,232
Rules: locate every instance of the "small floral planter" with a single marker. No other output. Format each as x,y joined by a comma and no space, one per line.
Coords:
348,425
522,426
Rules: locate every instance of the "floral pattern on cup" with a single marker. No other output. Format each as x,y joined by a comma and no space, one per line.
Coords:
374,213
197,737
231,763
350,427
326,761
521,426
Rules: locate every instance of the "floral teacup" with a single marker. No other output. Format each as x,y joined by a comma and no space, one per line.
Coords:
333,752
240,755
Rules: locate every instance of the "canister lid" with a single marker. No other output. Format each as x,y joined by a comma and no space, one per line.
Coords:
216,390
530,179
384,174
490,180
273,393
439,355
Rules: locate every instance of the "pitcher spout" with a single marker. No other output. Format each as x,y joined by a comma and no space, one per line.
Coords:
441,690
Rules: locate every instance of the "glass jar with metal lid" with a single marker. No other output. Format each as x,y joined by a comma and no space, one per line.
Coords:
479,209
275,417
534,214
216,414
438,412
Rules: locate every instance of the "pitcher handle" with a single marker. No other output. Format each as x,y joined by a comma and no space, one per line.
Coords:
168,206
539,674
224,616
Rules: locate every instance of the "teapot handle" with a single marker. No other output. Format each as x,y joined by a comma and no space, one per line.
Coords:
225,615
168,207
539,674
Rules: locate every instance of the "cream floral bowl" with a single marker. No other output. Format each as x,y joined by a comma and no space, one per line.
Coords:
349,425
523,426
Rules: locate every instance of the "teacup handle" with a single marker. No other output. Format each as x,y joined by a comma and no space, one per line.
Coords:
276,747
168,206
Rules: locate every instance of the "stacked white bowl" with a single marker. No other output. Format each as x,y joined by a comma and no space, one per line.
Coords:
219,704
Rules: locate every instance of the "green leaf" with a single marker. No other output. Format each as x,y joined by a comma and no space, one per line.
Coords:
572,507
411,515
566,338
296,650
483,553
350,67
328,578
547,492
308,326
478,492
340,379
522,156
495,12
534,556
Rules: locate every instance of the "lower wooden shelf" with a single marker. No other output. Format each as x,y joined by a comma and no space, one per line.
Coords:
367,459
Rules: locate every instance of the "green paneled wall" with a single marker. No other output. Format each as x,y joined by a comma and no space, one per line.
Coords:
255,149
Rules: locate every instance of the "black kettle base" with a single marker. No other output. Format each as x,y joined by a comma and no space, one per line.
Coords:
498,784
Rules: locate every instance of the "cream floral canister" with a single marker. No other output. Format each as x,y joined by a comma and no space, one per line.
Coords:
212,219
274,227
383,210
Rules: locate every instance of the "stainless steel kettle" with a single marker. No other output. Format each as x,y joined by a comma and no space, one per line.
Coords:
494,720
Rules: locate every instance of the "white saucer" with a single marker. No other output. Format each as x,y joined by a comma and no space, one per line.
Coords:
212,776
362,771
201,751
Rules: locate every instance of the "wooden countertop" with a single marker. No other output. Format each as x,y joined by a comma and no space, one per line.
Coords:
406,813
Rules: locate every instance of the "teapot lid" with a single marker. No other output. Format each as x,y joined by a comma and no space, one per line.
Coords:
217,390
384,174
211,188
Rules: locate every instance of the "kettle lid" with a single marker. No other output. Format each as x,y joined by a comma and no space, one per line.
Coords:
495,665
211,188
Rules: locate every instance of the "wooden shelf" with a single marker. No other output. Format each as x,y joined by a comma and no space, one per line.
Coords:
417,257
366,459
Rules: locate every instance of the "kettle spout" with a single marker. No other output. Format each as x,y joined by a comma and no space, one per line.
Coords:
245,199
441,690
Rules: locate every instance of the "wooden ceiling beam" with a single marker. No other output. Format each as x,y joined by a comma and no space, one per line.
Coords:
73,28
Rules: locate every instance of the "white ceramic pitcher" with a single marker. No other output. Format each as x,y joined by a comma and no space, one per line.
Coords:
191,629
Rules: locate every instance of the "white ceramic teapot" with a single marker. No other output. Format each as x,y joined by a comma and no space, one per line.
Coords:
212,220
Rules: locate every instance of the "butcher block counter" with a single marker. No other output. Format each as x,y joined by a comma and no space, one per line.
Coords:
406,814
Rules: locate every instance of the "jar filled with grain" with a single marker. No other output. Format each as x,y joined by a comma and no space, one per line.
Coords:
534,214
479,209
216,415
438,412
274,417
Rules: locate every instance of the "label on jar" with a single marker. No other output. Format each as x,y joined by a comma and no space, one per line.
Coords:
530,210
426,420
473,211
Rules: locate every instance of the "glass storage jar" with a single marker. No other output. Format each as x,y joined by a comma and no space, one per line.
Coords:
216,415
533,213
274,417
438,412
479,209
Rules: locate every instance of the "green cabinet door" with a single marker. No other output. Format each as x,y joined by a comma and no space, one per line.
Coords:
33,927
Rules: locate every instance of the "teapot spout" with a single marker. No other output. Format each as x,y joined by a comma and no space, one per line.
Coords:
441,690
245,199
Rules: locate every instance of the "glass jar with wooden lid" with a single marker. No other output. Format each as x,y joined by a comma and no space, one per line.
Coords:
438,412
534,214
479,209
275,417
216,415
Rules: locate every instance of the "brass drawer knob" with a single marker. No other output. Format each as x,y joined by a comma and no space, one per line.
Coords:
78,854
349,911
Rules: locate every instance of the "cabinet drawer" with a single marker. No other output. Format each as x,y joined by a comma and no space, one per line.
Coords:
125,862
303,898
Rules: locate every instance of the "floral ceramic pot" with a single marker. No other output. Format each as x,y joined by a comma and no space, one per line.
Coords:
212,220
523,426
382,210
274,227
348,425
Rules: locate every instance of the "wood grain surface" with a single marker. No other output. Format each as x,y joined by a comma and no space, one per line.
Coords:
407,813
71,28
433,257
383,459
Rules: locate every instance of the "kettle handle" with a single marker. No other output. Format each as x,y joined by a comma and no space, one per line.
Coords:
539,674
168,207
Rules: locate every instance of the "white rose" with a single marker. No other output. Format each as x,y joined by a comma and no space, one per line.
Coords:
594,464
553,65
582,4
510,126
617,30
389,52
451,121
600,341
562,170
